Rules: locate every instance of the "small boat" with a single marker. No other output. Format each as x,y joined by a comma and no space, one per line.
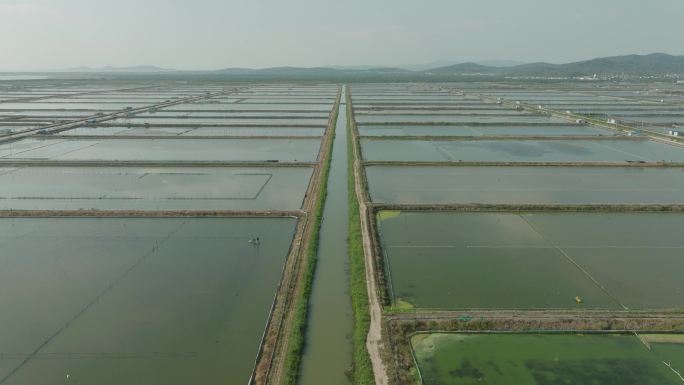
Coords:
578,299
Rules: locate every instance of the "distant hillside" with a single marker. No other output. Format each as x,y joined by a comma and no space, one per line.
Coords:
637,65
140,68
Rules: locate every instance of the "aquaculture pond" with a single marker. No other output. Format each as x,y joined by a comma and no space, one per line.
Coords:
521,150
230,105
447,119
534,260
541,359
150,188
220,121
138,300
74,104
269,114
413,113
526,185
285,150
194,131
483,130
668,347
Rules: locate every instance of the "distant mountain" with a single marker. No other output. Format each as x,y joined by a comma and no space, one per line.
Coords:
447,63
653,64
632,65
499,63
140,68
656,64
311,71
635,65
466,69
427,66
352,67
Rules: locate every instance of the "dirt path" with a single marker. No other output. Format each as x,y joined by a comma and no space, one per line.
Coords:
374,339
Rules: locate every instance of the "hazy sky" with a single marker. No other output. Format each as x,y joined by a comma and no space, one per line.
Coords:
211,34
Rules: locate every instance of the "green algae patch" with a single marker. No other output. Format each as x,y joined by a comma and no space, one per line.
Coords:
538,359
388,214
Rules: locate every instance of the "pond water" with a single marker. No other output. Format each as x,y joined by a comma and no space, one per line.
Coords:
526,185
150,188
136,301
535,260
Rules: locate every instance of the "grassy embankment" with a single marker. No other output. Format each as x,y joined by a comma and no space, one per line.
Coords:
362,370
